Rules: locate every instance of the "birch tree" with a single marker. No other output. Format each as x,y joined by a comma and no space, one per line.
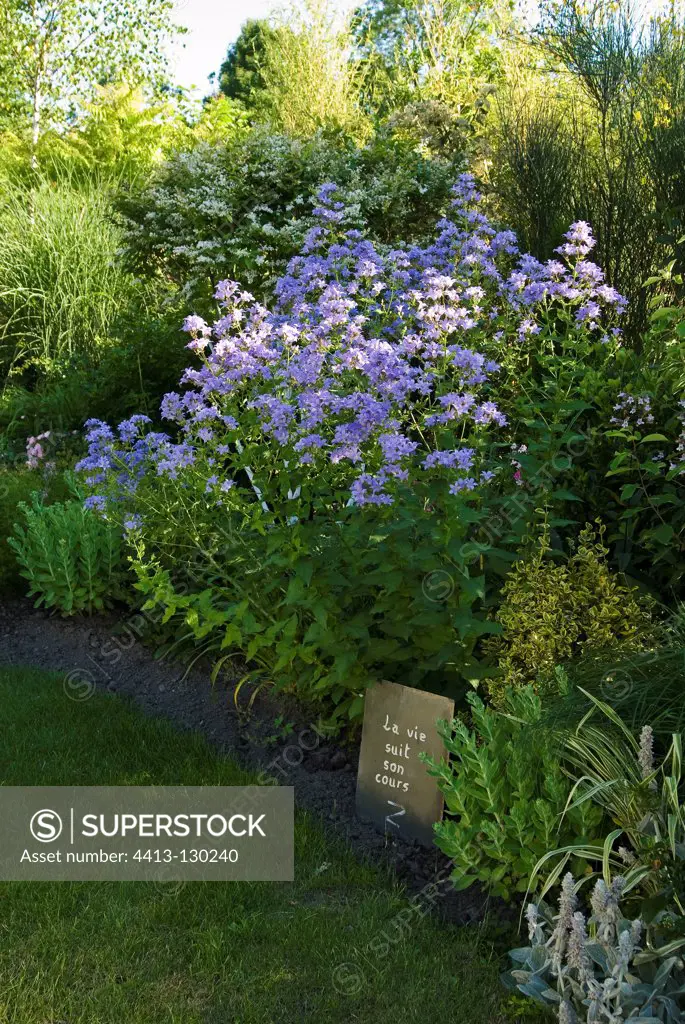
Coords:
54,53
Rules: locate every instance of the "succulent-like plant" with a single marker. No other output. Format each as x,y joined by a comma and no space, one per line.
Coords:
507,797
71,558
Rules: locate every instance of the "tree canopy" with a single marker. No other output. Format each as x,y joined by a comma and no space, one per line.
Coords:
241,76
55,53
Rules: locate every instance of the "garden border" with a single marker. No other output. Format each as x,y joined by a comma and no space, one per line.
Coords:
107,655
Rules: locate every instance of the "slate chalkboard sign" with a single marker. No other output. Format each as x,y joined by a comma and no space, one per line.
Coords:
394,789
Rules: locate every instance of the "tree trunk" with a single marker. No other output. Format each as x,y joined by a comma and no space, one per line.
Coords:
41,44
35,122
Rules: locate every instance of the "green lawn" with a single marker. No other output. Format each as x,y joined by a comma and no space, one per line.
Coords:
208,953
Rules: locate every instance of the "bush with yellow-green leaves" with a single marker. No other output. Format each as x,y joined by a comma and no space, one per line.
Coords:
553,611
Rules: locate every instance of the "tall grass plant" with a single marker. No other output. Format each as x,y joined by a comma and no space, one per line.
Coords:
61,285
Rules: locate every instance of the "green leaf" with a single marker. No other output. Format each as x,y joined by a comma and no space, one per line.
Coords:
304,570
564,495
356,707
663,533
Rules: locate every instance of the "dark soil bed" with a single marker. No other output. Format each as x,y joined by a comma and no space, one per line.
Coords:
107,653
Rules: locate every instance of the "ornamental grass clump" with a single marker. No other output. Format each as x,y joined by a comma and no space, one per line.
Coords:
327,457
641,794
61,288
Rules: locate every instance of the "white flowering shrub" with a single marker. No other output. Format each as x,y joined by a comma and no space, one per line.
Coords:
239,209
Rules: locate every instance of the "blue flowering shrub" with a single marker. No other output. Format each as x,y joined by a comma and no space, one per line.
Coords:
333,496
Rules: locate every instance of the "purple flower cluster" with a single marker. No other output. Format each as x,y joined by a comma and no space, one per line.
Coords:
678,462
371,366
36,451
124,456
632,411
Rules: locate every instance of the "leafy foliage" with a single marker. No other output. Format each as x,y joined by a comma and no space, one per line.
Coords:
605,130
622,966
606,967
642,796
553,612
646,686
443,50
242,74
140,363
58,51
628,465
71,558
505,792
311,71
117,139
537,164
17,486
649,465
432,126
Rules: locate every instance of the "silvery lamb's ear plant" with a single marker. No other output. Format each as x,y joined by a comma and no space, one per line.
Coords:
604,968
